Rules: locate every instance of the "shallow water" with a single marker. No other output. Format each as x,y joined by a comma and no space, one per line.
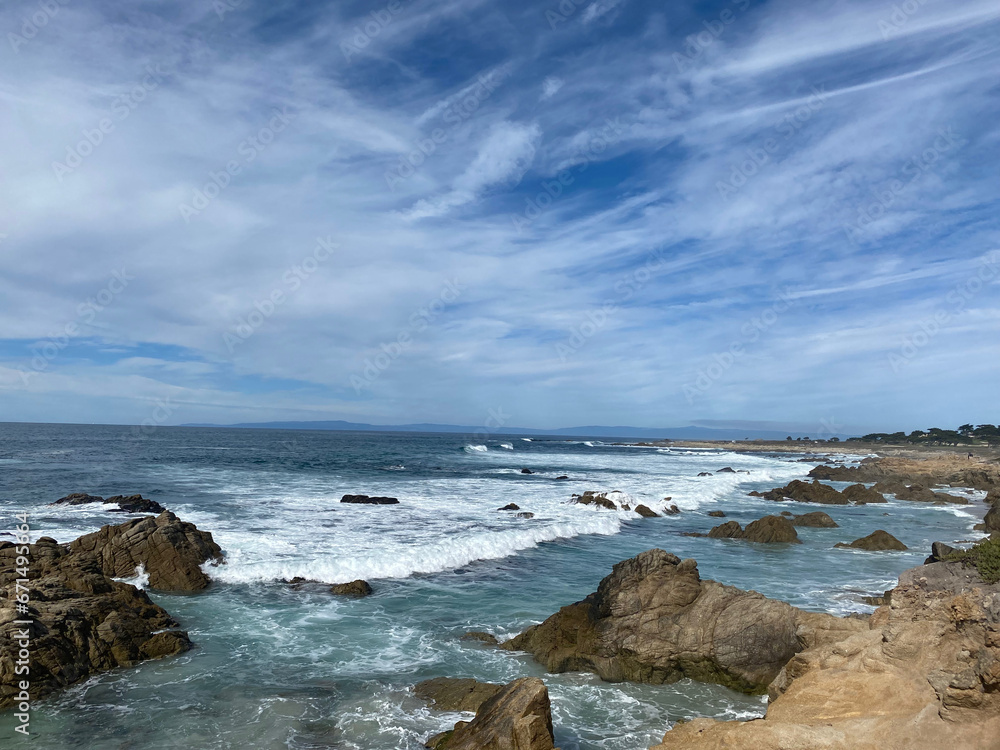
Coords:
283,668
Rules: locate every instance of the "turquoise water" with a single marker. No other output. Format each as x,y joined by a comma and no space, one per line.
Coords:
281,668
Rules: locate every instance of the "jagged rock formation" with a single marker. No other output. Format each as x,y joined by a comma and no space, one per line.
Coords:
129,504
171,551
518,717
928,471
84,622
877,541
861,495
805,492
655,620
923,674
917,493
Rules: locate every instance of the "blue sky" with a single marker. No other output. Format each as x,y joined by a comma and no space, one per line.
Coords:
616,212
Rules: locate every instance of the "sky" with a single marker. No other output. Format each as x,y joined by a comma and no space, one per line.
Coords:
484,213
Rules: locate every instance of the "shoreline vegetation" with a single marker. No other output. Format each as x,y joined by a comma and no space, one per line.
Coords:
921,671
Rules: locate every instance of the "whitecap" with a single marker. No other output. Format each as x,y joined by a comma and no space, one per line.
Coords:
475,449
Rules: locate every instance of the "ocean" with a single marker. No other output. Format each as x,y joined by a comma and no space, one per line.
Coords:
277,667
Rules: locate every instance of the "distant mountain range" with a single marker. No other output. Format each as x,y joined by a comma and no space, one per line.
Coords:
598,431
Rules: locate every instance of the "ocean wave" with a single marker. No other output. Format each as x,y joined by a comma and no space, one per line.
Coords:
507,446
399,561
475,449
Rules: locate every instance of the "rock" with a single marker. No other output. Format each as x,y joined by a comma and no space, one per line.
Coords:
993,496
876,541
672,510
927,471
135,504
922,675
817,520
939,551
563,477
600,499
483,637
991,521
84,623
917,493
805,492
518,717
527,471
861,495
354,588
454,694
788,513
767,530
704,473
655,620
726,470
524,515
171,551
79,498
716,514
366,500
646,512
510,506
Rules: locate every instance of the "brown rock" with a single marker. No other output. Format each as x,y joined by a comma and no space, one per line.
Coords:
767,530
479,635
354,588
510,506
817,519
646,512
805,492
861,495
172,551
876,541
366,500
79,498
716,514
672,510
654,620
991,521
518,717
600,499
454,694
923,675
84,622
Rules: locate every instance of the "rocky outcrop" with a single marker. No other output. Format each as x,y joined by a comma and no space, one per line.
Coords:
455,694
991,521
923,674
646,512
804,492
877,541
940,552
917,493
366,500
83,622
171,551
607,500
354,588
933,470
655,620
766,530
518,717
817,520
861,495
129,504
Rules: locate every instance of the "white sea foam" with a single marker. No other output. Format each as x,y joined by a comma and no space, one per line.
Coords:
140,580
476,449
507,446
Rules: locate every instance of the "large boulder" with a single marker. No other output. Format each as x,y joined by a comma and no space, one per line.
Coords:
655,620
923,674
861,495
805,492
170,550
83,622
518,717
766,530
877,541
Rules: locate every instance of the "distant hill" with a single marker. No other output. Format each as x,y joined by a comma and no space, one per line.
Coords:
598,431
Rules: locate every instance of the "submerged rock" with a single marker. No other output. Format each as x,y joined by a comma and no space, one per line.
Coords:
354,588
716,514
129,504
875,542
171,551
655,620
510,506
79,498
817,520
366,500
517,717
704,473
726,470
455,694
482,636
527,471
